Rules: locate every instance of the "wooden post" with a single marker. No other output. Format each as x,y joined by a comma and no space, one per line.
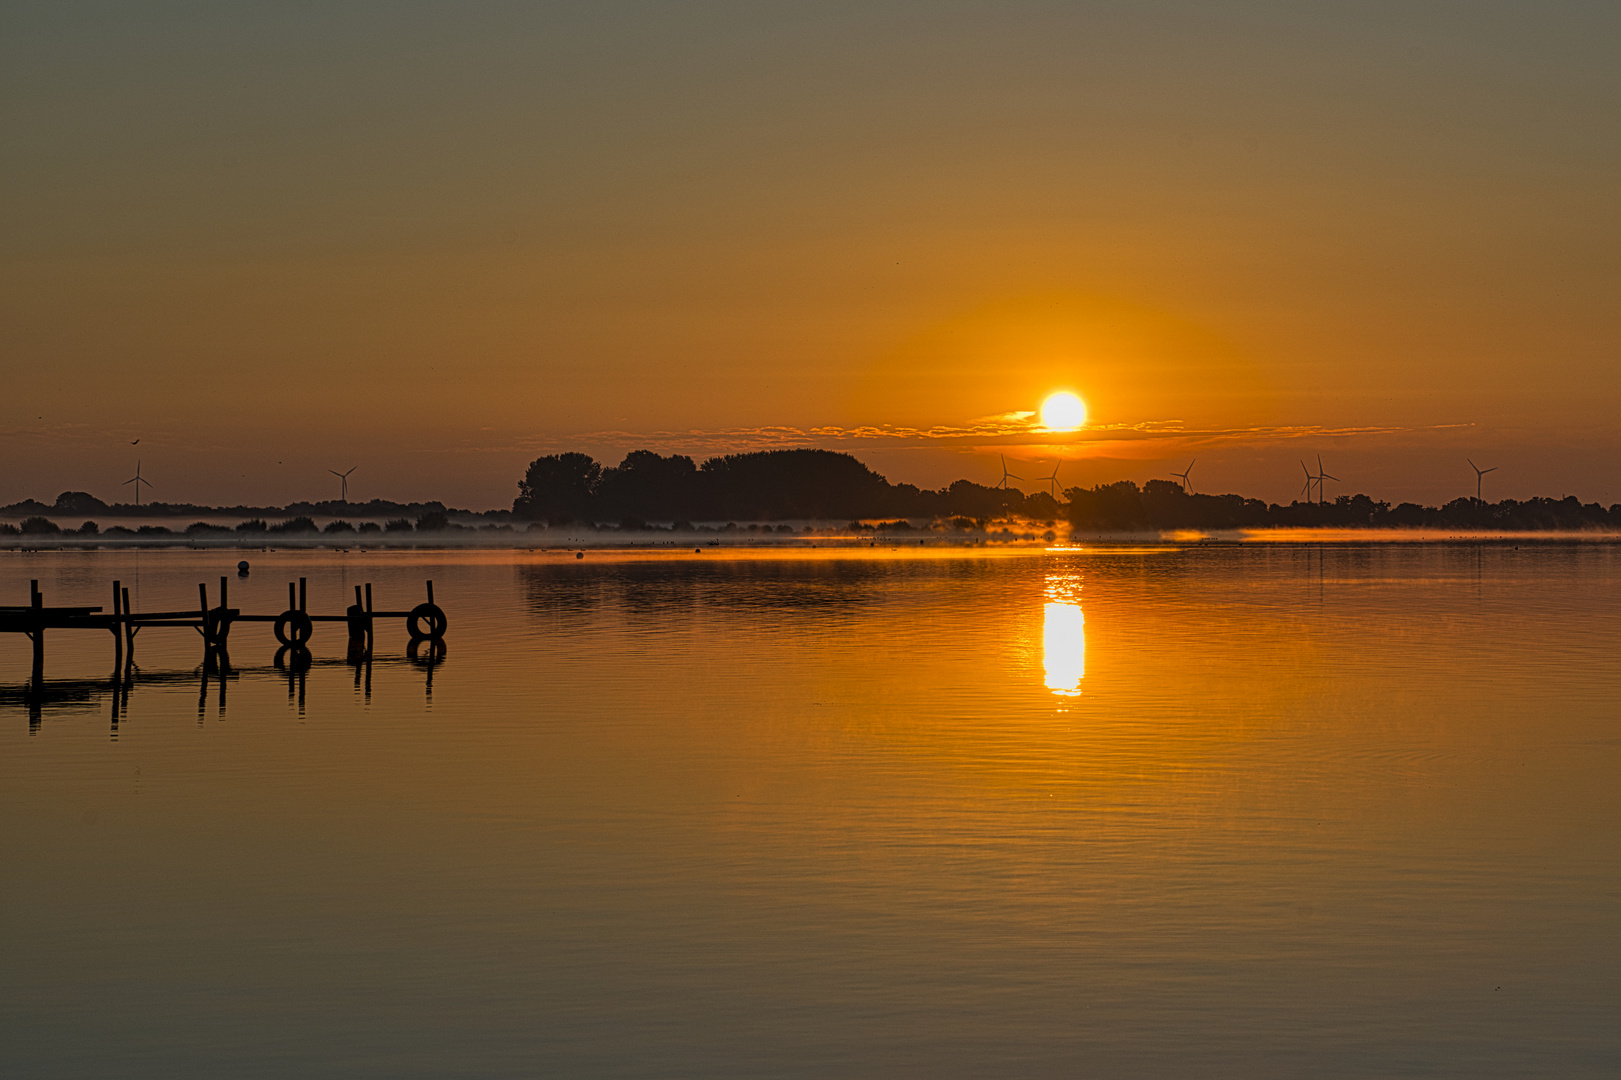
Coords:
222,624
38,601
118,639
303,594
129,630
430,592
292,596
357,630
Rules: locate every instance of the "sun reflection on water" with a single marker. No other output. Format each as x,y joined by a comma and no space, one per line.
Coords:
1063,636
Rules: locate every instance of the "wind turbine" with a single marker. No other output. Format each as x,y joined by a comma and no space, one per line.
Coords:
1006,476
344,476
1310,480
1479,472
1051,480
137,480
1187,485
1321,476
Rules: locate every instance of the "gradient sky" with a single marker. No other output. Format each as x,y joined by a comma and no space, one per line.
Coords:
436,239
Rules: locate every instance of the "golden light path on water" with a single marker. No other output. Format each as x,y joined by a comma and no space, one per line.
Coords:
1063,635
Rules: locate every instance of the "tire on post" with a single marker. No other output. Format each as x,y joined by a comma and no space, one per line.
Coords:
293,627
426,623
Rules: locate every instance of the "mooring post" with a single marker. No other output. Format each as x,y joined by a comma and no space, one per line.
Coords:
37,600
370,638
357,620
222,631
202,617
118,638
292,596
303,594
430,592
129,630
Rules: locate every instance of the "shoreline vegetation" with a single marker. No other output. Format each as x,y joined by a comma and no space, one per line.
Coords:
785,496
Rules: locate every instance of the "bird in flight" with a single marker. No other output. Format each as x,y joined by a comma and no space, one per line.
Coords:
136,441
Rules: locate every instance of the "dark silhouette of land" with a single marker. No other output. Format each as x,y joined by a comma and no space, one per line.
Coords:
777,485
771,485
647,490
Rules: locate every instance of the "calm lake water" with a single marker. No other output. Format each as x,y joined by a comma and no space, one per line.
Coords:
1206,811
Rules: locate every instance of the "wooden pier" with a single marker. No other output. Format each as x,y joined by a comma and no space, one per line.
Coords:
293,628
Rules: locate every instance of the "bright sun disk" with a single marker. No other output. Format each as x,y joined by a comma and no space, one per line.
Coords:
1063,411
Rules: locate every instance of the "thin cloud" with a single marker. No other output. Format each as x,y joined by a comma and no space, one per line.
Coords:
1006,433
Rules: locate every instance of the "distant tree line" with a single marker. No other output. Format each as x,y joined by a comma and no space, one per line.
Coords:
1163,504
770,485
430,521
809,485
82,503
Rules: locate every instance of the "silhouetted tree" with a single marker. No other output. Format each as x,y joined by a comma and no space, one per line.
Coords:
775,484
79,502
557,488
646,486
1107,506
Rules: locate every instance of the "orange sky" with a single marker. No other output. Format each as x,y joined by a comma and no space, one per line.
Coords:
434,240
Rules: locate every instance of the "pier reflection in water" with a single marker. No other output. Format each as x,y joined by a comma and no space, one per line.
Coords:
67,698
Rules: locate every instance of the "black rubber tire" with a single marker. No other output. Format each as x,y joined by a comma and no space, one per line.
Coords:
426,622
293,627
426,652
293,658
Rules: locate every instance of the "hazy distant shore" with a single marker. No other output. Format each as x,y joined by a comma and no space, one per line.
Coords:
779,536
793,492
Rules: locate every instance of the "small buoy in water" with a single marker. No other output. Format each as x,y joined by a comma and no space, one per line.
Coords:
579,554
242,568
697,551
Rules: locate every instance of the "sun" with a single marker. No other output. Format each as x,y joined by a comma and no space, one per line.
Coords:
1063,411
